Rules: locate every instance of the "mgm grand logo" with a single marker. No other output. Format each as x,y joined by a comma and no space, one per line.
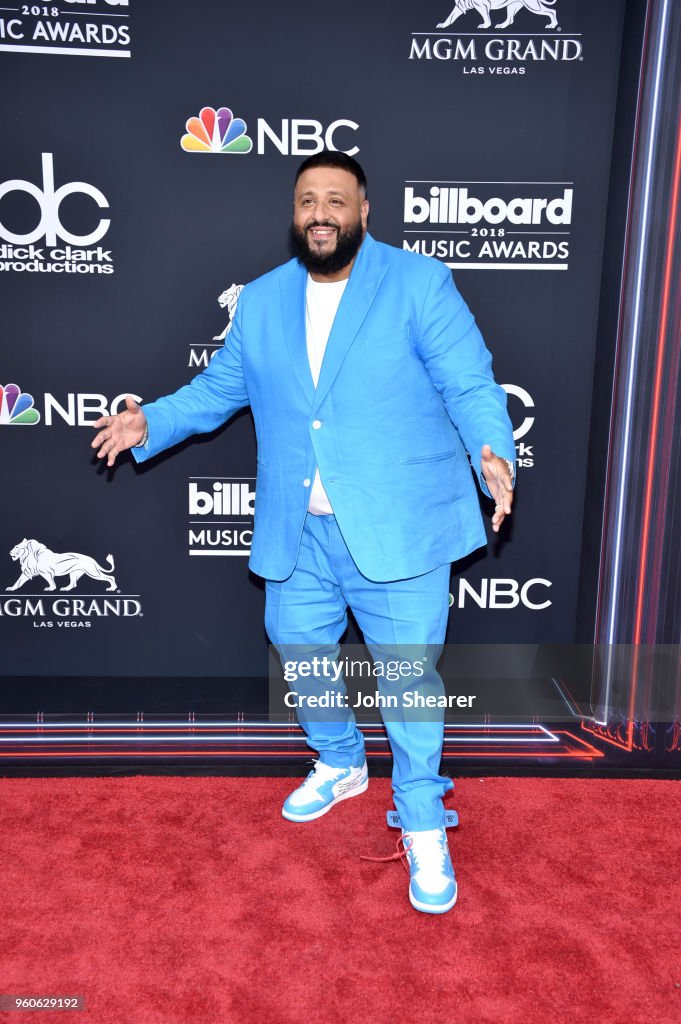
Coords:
40,566
483,8
539,37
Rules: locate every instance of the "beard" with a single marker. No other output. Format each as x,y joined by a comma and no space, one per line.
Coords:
347,246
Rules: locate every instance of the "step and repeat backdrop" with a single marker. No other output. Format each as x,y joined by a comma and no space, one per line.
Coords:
148,157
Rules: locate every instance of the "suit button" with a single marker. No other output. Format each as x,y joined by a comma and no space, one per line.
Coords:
316,424
306,482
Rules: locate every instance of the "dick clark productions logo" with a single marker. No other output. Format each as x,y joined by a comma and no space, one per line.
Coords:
18,251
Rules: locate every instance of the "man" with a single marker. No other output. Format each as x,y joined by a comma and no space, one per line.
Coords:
368,381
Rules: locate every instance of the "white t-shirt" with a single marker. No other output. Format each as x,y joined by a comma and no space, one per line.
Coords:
321,304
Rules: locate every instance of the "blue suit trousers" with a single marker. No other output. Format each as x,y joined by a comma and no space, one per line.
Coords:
308,612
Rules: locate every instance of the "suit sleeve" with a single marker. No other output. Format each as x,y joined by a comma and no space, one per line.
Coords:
460,367
204,404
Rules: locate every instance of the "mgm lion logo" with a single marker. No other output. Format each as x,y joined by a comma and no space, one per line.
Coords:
229,298
37,560
483,7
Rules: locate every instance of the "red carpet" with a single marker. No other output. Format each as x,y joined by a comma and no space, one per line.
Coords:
191,901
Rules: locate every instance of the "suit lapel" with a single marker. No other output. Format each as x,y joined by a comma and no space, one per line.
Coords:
365,278
292,288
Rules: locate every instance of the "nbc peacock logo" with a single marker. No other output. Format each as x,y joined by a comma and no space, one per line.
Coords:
16,408
216,131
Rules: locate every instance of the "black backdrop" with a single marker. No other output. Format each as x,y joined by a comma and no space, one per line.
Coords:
524,112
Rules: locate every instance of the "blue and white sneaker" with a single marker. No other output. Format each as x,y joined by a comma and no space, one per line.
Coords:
432,884
324,787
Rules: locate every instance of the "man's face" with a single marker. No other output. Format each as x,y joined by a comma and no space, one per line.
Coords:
329,219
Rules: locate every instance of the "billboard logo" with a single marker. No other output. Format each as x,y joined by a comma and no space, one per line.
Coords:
225,498
221,511
216,131
111,3
482,225
455,206
483,8
16,408
48,28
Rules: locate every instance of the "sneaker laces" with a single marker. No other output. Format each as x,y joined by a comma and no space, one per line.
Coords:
428,855
400,854
319,772
429,850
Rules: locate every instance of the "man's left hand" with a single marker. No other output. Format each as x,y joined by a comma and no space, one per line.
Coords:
500,484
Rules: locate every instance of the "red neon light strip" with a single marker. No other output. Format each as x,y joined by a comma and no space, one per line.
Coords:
151,731
612,740
587,752
495,755
659,369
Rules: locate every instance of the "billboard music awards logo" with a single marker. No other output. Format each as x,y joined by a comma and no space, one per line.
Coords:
59,250
219,131
42,568
529,33
221,511
488,225
73,409
84,28
200,355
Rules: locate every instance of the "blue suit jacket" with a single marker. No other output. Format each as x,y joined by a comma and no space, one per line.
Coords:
405,389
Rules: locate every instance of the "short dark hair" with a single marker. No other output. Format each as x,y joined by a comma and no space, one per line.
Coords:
330,158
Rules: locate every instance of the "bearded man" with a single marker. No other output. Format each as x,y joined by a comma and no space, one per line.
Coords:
371,388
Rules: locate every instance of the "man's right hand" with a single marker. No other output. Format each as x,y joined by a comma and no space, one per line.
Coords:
117,433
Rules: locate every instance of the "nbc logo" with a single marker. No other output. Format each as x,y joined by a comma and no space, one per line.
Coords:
216,131
502,594
16,408
219,131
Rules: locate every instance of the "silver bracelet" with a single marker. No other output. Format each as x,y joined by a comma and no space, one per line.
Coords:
145,437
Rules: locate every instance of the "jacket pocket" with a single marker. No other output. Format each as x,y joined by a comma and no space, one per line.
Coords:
429,458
